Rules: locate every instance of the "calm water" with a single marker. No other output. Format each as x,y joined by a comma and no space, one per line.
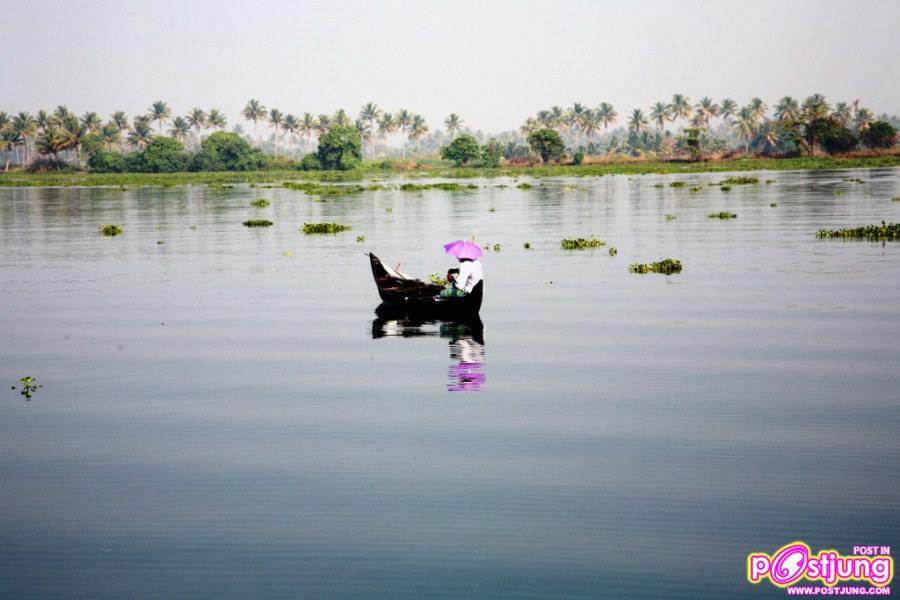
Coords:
220,419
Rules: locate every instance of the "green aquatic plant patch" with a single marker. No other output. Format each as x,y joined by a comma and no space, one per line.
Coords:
261,203
883,232
723,215
581,243
739,180
110,230
667,266
309,228
258,223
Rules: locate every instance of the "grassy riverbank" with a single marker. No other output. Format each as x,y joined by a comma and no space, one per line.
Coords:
372,171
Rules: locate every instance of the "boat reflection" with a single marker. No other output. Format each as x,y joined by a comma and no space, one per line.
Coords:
465,340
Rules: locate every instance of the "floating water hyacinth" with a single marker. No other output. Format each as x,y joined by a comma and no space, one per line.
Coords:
527,245
883,232
613,251
725,188
671,217
667,266
360,238
309,228
29,386
742,180
260,203
723,215
581,243
258,223
678,184
110,230
524,186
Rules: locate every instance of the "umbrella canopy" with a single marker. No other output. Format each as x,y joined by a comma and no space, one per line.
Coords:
463,249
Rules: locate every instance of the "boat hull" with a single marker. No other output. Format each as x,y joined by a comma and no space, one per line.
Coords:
416,297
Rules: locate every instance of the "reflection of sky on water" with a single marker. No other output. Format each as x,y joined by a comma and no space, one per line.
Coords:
466,345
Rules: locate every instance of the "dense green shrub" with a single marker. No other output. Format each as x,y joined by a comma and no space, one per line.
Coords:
162,155
310,162
879,134
106,162
578,157
224,151
461,150
491,153
340,148
547,143
837,138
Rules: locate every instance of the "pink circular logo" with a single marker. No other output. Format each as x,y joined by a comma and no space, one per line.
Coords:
789,564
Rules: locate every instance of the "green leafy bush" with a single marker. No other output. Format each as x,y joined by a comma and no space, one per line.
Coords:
340,148
547,143
879,134
462,150
224,151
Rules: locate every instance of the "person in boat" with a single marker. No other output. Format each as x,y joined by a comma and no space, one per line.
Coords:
464,279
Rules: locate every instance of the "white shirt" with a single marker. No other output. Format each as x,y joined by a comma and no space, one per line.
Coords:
470,273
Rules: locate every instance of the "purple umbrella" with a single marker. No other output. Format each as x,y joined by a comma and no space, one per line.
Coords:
463,249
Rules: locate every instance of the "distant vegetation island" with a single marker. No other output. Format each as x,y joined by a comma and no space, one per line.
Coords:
267,139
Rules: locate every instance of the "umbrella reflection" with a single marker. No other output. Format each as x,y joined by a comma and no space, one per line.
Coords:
465,339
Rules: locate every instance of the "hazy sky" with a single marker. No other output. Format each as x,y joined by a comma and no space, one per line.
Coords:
495,63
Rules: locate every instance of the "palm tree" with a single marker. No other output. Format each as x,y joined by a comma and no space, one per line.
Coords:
180,129
369,116
386,125
52,140
787,109
43,120
25,127
197,120
341,118
216,119
728,108
8,137
529,126
758,108
254,111
323,124
637,122
307,126
140,134
364,129
863,118
706,109
545,118
659,112
275,120
680,107
75,132
417,128
120,120
558,117
815,107
291,125
745,126
111,134
607,114
842,113
91,122
404,119
160,112
770,135
61,113
454,124
590,123
370,113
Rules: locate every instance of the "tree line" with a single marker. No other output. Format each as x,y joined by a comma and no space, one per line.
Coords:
703,128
